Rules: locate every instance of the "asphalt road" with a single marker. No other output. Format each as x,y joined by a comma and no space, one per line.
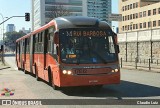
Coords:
134,85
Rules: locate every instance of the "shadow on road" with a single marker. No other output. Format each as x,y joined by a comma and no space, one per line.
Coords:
125,89
4,68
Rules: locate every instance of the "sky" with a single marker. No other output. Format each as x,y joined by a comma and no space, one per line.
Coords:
10,8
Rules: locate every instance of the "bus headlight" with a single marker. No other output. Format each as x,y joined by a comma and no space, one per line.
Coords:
64,72
115,70
69,72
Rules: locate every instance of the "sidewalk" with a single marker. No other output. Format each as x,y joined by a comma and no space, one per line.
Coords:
141,66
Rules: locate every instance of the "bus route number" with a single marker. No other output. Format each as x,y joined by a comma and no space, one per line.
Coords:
80,71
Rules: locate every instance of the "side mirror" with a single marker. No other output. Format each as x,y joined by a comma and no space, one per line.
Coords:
56,37
118,49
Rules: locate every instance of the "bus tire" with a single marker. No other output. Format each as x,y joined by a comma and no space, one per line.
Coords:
36,74
51,79
19,68
25,72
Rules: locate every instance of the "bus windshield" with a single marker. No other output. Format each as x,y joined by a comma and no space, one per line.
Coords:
83,46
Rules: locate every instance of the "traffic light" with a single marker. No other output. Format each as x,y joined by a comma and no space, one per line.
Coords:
27,16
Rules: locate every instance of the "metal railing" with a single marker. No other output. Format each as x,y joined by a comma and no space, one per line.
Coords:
141,64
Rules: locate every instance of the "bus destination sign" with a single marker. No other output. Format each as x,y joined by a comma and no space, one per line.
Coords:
87,33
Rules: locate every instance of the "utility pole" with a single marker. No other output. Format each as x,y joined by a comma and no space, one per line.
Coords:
2,47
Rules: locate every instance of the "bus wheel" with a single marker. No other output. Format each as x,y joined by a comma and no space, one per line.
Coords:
36,73
25,72
51,79
54,87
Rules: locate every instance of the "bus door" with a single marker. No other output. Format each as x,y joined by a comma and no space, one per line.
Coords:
21,52
45,51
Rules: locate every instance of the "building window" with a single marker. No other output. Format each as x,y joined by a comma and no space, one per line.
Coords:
123,28
128,17
144,13
123,8
140,25
144,25
134,5
131,16
149,12
158,10
123,18
158,22
154,23
130,6
128,27
149,24
136,26
133,26
140,14
154,11
136,15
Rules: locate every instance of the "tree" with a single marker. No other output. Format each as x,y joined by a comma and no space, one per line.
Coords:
11,38
57,11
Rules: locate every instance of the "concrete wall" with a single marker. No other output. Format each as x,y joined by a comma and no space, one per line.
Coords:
141,44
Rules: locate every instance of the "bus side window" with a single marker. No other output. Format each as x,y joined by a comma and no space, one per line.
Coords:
45,41
40,46
27,45
49,43
36,43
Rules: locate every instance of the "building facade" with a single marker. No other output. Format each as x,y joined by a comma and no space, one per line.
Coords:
99,9
10,28
25,31
139,30
42,10
139,15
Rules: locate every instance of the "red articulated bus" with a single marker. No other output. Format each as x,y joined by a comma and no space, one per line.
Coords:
71,51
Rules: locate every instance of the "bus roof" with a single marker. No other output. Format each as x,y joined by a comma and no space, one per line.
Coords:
71,22
80,21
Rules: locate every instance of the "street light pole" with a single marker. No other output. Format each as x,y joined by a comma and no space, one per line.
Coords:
3,27
3,41
126,46
151,45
